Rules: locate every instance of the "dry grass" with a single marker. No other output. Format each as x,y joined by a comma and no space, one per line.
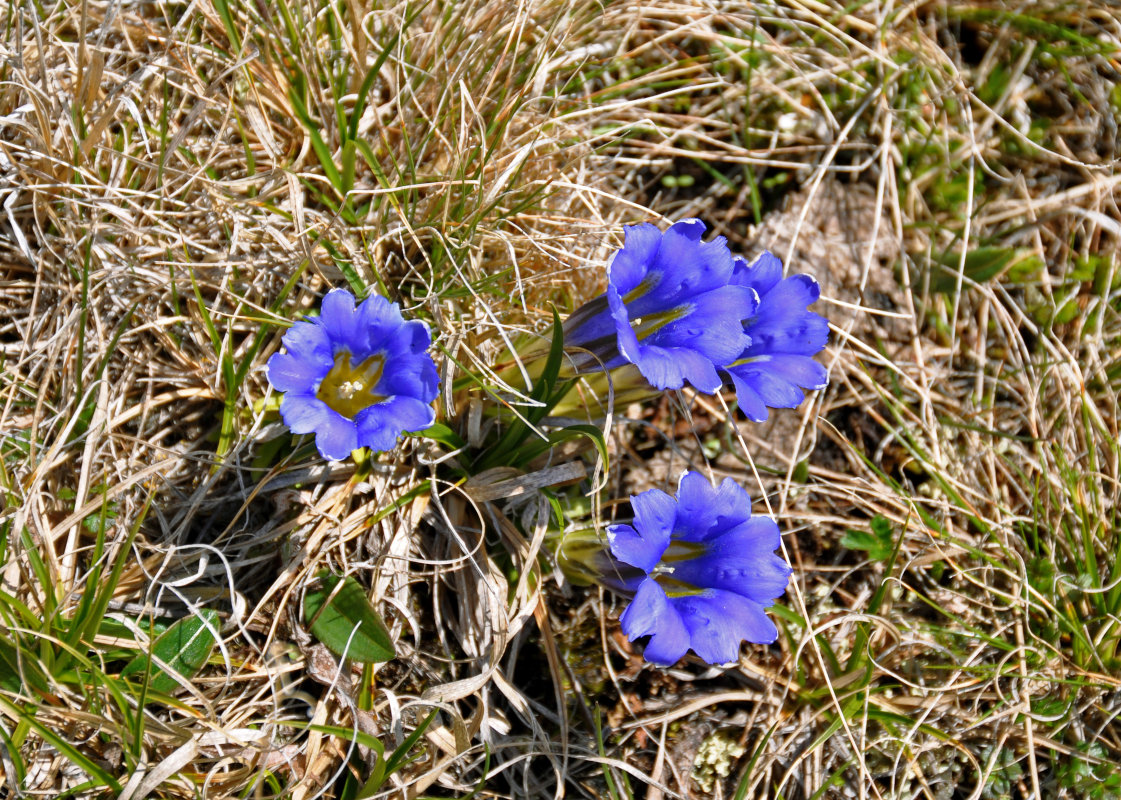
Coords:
179,180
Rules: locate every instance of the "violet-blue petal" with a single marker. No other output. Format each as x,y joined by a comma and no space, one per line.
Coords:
412,375
801,371
288,373
717,621
642,544
338,318
761,274
783,325
629,266
303,413
741,560
686,267
627,341
379,425
379,319
775,392
749,400
672,367
652,614
336,436
308,341
703,511
714,325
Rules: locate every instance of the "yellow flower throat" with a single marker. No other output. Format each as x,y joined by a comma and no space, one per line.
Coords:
350,389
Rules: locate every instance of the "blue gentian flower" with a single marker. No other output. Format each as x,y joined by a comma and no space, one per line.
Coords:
355,377
710,570
778,363
669,309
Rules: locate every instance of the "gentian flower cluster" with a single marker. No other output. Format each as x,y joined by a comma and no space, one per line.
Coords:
685,311
355,377
699,568
709,571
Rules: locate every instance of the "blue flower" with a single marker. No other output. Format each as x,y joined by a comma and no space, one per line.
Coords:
669,309
710,571
355,377
778,364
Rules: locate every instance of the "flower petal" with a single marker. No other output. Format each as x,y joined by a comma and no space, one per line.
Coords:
718,621
783,325
642,544
303,413
714,325
671,367
626,339
309,342
741,561
380,426
799,370
652,614
288,373
686,267
629,266
704,511
772,389
412,376
761,274
750,403
338,318
379,319
336,437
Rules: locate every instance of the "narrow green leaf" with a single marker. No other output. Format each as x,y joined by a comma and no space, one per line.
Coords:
16,673
65,748
397,759
544,386
342,618
368,84
223,9
535,448
184,647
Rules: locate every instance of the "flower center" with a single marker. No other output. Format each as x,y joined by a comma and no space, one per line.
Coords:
350,389
649,324
749,360
676,552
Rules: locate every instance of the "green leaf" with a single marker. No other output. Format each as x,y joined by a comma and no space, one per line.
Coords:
533,449
17,672
342,618
981,265
544,386
442,434
878,540
184,647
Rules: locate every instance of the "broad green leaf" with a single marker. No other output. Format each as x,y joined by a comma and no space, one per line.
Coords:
878,540
981,265
441,433
184,647
342,618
